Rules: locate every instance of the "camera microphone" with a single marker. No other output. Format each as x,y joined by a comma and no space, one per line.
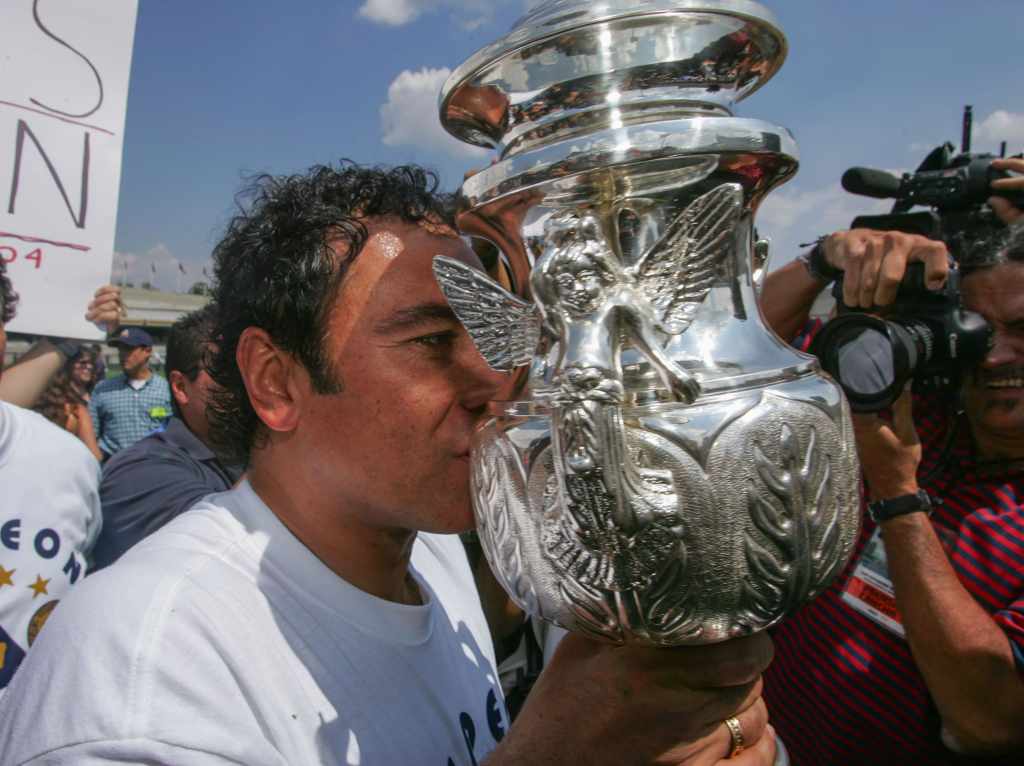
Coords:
872,183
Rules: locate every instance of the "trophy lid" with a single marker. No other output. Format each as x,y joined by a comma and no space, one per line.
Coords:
574,66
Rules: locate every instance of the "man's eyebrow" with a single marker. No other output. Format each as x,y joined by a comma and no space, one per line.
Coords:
410,317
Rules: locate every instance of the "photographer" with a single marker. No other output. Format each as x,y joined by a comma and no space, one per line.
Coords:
952,690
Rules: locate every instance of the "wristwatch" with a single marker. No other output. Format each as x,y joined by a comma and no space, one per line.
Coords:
817,264
883,510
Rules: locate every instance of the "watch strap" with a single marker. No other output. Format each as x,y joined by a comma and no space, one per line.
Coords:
883,510
817,264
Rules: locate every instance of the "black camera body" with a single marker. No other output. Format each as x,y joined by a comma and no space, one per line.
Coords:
956,187
924,335
958,183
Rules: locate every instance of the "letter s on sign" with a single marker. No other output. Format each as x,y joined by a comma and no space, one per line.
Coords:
96,74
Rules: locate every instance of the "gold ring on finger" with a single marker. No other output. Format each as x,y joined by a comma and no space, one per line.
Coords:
736,733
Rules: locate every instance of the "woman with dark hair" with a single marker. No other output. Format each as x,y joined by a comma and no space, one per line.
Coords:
66,400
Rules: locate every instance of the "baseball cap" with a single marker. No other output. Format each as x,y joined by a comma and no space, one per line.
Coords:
131,336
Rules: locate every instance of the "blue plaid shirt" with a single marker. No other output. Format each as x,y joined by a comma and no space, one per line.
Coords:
121,415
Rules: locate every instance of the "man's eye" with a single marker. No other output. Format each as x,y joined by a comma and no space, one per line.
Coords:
436,340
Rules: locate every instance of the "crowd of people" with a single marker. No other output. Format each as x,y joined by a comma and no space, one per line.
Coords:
264,545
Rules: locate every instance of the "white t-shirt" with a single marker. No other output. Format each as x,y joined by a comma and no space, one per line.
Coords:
49,520
222,639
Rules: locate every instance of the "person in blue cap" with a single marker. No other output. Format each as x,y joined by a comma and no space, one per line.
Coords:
132,405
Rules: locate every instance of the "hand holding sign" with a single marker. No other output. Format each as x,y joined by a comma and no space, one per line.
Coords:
63,94
106,309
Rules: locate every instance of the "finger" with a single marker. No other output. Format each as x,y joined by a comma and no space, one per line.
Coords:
934,256
108,309
903,418
1015,164
1005,210
870,265
105,302
891,269
1009,163
753,724
853,250
761,753
1017,182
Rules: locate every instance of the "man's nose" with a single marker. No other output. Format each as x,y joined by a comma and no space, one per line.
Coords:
479,383
1005,350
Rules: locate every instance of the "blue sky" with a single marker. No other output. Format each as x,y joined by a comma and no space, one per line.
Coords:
224,89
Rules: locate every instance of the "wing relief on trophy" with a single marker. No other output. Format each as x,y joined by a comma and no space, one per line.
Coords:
504,328
669,472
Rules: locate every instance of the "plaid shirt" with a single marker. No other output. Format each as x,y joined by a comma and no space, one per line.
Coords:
121,415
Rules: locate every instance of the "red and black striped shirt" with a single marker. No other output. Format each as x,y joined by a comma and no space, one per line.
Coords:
845,690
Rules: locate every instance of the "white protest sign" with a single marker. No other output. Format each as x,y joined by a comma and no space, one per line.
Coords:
64,67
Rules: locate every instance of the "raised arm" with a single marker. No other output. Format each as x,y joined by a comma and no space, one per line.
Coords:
24,382
872,264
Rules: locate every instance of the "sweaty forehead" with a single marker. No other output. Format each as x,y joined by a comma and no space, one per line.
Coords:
392,272
996,292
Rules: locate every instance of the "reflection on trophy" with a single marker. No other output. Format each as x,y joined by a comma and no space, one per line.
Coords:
670,472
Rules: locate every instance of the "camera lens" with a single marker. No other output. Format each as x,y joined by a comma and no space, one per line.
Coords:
864,360
871,358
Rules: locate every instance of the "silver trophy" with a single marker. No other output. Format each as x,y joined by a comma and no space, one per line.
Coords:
670,472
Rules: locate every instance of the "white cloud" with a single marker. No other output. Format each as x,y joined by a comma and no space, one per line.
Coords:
1000,126
409,118
468,14
791,216
987,134
391,12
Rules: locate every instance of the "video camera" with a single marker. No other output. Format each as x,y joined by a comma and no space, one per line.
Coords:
924,335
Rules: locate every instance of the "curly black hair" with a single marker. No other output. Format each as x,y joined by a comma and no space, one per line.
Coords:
277,268
8,298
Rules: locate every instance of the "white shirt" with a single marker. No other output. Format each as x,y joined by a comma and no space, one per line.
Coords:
223,639
49,520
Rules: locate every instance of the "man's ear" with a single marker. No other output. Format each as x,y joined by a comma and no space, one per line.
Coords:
272,380
177,380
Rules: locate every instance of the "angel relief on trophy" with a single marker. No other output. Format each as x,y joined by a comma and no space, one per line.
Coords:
622,514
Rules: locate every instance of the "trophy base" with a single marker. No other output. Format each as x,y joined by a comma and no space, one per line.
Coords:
712,520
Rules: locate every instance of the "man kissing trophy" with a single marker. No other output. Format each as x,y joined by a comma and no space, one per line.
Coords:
671,472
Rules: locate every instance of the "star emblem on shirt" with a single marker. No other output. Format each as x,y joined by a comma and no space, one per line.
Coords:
39,586
5,576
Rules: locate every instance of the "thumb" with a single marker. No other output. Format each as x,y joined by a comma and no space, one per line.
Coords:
903,418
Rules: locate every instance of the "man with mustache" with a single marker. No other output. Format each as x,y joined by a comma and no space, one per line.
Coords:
953,688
